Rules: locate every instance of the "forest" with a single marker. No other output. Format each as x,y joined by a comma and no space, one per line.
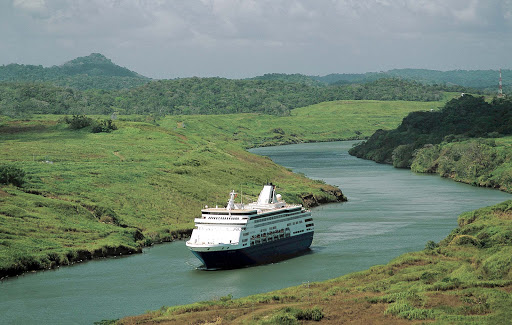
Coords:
461,118
199,96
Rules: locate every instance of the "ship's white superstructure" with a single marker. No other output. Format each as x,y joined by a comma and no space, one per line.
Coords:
254,233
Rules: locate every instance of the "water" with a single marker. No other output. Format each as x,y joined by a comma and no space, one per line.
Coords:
389,212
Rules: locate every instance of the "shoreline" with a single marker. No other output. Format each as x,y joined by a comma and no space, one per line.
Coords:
82,255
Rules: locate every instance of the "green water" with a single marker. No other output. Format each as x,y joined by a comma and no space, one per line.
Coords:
390,211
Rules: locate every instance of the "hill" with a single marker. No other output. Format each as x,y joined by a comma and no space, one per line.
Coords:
200,96
463,117
94,71
477,79
295,78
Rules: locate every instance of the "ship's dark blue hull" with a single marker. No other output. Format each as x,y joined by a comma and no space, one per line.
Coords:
259,254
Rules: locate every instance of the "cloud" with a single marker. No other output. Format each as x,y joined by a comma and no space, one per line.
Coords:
320,35
36,8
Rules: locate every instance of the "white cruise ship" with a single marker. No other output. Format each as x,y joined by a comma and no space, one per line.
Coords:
256,233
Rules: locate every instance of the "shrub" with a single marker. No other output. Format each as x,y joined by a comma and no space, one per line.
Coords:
12,175
78,122
315,314
463,240
431,245
281,319
104,126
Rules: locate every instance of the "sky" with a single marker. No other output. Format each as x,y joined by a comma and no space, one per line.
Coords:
246,38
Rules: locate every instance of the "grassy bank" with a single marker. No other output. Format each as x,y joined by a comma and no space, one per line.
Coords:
464,279
480,162
90,195
99,194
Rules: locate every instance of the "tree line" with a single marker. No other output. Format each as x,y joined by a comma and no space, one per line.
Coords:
200,96
461,118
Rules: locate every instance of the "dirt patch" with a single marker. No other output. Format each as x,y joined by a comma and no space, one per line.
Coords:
503,215
14,129
438,299
507,289
3,193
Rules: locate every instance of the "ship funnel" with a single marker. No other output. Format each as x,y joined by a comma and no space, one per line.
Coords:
267,195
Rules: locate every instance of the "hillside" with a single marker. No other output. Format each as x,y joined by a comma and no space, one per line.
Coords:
476,79
94,71
199,96
454,80
480,162
460,118
96,194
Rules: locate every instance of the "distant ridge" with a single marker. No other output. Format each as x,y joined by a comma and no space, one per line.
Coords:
478,79
94,71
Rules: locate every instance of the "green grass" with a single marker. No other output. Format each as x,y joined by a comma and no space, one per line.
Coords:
90,195
328,121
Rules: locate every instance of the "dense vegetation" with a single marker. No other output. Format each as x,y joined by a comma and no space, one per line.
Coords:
478,79
199,96
93,71
481,162
455,80
464,279
464,117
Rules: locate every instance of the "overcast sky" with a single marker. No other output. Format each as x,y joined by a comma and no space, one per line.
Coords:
245,38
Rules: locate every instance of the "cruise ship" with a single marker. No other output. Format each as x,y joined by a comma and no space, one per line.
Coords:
238,235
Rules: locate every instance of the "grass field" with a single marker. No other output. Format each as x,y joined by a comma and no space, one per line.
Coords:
329,121
99,194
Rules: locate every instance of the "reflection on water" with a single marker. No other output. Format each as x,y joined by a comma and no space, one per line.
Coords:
389,212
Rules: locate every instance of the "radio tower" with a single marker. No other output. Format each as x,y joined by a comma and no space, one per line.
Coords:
500,87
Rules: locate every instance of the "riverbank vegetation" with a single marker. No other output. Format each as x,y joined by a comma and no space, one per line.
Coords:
88,195
466,140
464,279
480,162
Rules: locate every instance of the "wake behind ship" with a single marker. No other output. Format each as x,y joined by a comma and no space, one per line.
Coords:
256,233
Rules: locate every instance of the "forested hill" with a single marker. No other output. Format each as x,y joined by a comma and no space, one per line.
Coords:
200,96
295,78
460,119
479,79
88,72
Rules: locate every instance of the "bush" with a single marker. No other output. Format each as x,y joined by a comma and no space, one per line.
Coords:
315,314
104,126
12,175
78,122
463,240
431,245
